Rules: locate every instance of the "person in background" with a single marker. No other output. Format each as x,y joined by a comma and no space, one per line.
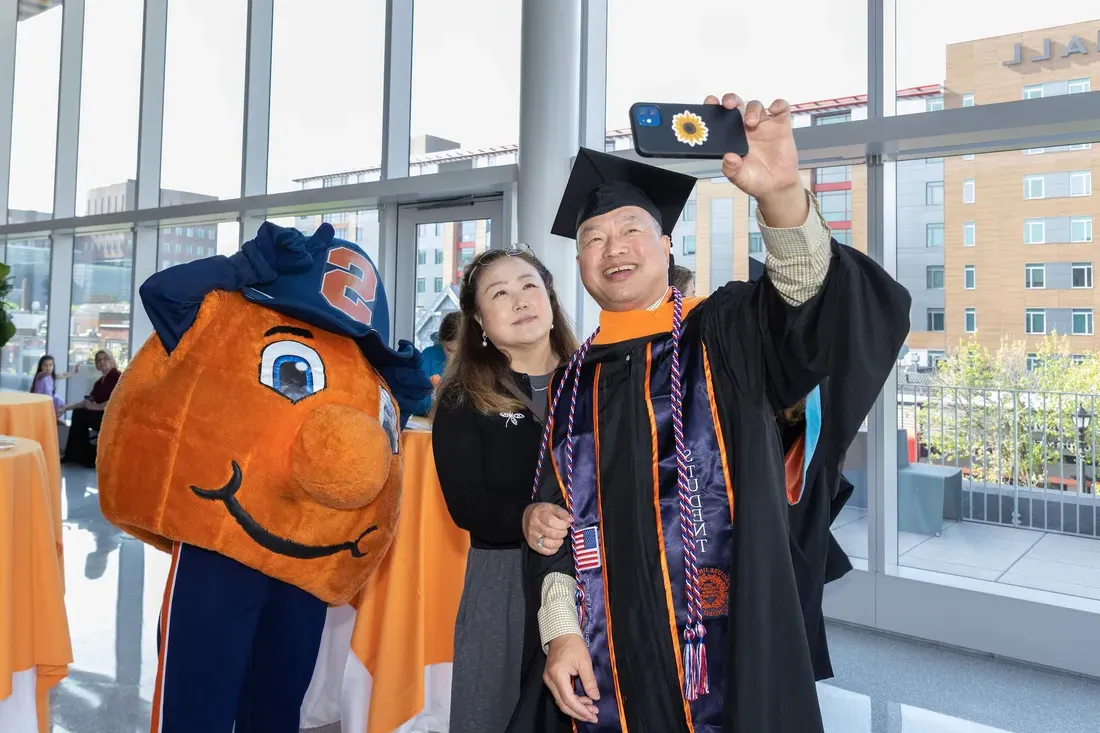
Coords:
88,413
683,280
444,343
485,435
45,382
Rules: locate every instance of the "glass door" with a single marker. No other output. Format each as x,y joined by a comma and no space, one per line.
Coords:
434,246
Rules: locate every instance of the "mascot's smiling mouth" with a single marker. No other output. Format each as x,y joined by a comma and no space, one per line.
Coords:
263,537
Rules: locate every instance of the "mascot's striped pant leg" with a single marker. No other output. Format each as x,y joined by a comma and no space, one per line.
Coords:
235,647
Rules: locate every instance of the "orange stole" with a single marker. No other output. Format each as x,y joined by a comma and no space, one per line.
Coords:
794,465
407,611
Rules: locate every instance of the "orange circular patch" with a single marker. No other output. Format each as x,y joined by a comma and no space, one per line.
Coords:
714,587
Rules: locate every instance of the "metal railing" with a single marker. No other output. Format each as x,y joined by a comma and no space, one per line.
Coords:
1027,458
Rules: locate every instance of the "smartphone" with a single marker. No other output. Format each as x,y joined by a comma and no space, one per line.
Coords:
687,130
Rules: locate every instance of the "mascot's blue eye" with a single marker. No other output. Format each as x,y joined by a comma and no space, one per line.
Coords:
292,369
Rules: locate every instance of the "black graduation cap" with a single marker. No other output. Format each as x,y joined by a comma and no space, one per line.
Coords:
600,183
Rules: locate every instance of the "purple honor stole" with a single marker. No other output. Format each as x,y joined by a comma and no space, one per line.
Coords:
692,496
707,518
583,503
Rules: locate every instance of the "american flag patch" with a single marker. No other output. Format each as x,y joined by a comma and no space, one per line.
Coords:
586,547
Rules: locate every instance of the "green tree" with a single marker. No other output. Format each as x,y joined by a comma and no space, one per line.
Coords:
987,412
7,328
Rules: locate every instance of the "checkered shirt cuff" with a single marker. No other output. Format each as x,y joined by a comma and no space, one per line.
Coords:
798,258
558,612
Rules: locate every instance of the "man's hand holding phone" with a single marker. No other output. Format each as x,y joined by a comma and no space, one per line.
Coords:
769,172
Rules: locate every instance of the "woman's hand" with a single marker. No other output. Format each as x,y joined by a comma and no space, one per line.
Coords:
545,526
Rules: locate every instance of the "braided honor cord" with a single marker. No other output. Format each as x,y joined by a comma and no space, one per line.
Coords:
578,362
696,682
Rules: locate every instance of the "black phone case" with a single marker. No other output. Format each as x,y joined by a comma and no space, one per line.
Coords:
690,131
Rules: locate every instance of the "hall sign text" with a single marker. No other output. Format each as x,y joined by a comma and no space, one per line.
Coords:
1076,46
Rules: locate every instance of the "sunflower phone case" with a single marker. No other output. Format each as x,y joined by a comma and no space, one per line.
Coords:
687,130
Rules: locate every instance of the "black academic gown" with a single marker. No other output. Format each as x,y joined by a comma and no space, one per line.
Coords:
765,356
817,557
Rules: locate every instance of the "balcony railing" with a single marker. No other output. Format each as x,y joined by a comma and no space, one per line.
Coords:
1027,458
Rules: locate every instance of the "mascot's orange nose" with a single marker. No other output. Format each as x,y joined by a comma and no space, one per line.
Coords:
341,457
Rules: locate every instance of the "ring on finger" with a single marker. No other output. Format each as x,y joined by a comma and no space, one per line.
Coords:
539,543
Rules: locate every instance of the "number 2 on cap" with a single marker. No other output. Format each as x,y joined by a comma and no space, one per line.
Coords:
350,288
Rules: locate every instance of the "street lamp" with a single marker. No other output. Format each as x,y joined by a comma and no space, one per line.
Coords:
1081,420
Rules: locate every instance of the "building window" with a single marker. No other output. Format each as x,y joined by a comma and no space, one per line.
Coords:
1033,362
971,321
933,104
843,236
1082,274
936,356
439,229
835,205
933,276
439,285
1034,187
1080,183
968,277
339,217
968,100
468,231
1035,231
935,320
1082,322
968,191
689,245
833,174
1035,277
1033,91
1080,229
752,204
832,119
421,257
756,243
1078,86
968,234
1035,320
420,285
933,193
689,211
933,235
439,257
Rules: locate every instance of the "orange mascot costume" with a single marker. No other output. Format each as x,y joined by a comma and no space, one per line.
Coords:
255,436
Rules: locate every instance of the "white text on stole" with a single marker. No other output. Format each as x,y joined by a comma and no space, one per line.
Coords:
695,500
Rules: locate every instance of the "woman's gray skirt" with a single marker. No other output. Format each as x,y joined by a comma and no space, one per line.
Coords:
488,642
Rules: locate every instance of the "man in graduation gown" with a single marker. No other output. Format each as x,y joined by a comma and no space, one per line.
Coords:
674,605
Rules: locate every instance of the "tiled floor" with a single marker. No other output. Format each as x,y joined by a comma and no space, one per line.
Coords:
883,684
1023,557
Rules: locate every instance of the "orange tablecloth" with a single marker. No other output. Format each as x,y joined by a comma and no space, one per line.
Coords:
407,612
32,416
34,630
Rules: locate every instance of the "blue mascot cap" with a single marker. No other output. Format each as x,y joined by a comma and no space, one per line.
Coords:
336,288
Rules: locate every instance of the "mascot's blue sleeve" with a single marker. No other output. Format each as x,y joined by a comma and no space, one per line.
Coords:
403,371
172,297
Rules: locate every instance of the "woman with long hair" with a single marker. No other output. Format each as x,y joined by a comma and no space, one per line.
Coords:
88,413
486,434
